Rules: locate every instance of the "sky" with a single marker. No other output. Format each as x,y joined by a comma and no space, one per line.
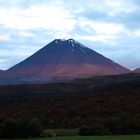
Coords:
110,27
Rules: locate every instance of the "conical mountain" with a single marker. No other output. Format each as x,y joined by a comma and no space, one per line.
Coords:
66,58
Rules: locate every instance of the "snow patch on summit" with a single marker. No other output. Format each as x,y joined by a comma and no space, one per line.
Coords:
73,44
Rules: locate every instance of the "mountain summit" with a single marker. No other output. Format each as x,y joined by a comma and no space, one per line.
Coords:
66,58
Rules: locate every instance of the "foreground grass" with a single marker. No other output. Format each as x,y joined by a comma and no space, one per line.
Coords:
135,137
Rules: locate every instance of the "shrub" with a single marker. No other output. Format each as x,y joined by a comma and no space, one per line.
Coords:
33,128
98,130
49,133
9,129
20,129
85,131
61,132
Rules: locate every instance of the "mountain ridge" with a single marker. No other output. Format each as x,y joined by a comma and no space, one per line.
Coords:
137,70
63,54
64,59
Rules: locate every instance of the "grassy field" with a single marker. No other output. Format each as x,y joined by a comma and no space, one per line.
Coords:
136,137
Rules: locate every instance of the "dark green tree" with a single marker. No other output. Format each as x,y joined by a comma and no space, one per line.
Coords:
33,128
9,129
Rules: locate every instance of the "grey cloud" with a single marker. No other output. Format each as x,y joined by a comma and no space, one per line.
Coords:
94,14
78,30
129,19
23,3
137,2
132,20
124,47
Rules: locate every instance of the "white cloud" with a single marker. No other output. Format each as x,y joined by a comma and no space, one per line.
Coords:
2,61
21,51
104,27
136,33
3,64
104,32
105,39
34,23
4,37
26,33
47,17
12,55
120,6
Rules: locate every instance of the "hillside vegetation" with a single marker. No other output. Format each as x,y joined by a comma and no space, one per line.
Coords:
109,104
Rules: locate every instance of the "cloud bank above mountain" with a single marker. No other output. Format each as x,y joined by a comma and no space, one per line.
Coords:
107,26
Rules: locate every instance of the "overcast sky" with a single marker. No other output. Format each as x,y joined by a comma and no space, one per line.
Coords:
110,27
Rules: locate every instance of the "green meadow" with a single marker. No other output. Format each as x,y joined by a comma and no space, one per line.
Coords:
135,137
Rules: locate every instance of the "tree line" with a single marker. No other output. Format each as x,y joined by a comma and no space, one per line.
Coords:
20,129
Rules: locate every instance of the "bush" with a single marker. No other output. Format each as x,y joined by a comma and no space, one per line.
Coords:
98,130
33,128
9,129
85,131
61,132
66,132
49,133
20,129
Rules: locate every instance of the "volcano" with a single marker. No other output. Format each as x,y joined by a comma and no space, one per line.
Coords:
66,58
